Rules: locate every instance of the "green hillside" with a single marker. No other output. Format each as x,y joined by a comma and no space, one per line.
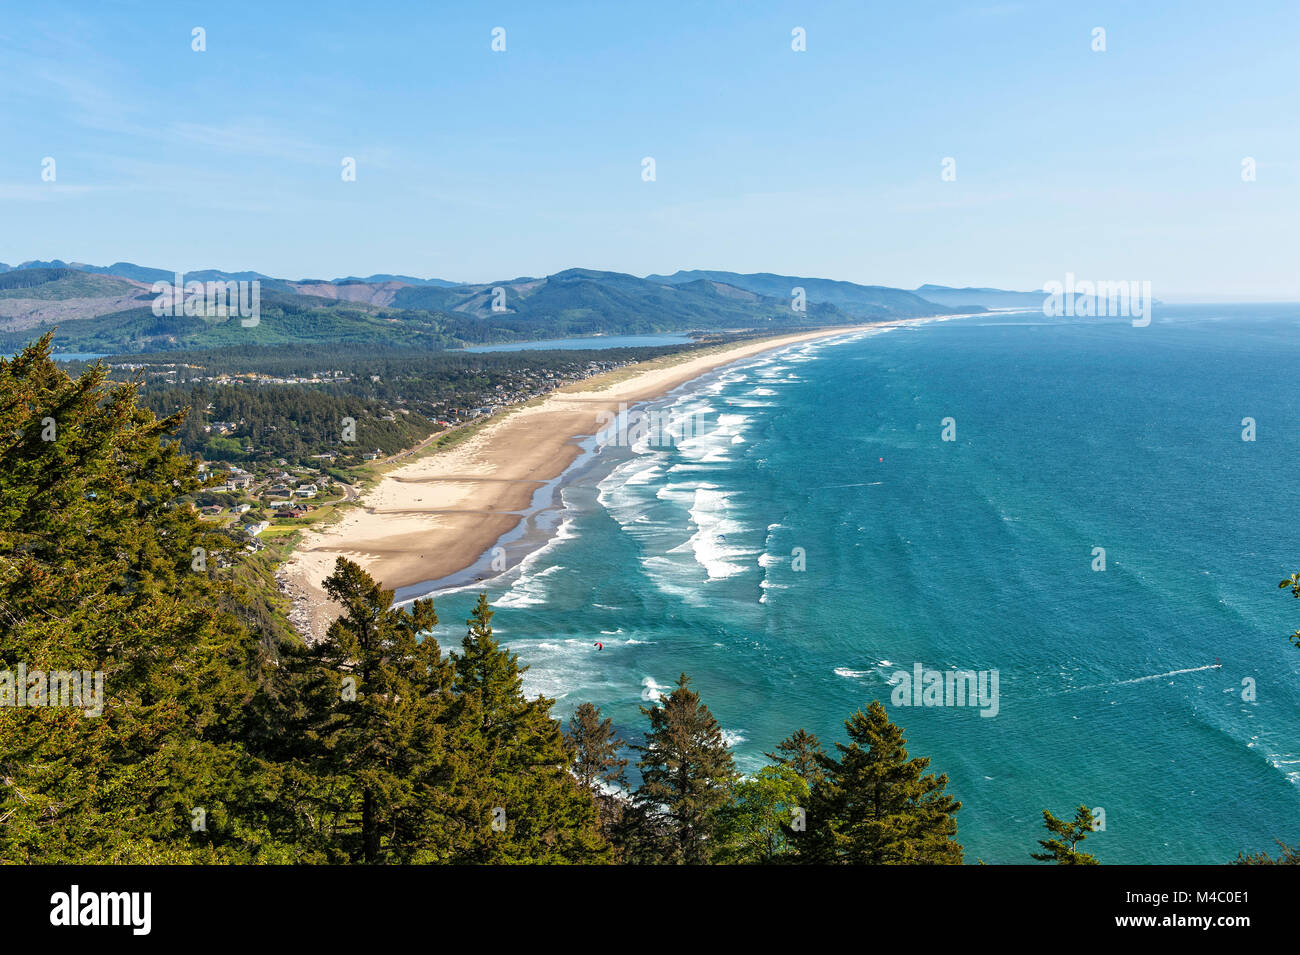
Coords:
57,284
860,301
94,312
284,319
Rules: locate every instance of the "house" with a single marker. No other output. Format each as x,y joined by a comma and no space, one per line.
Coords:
241,508
252,530
307,490
212,510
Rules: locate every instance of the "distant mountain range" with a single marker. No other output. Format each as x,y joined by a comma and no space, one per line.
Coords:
988,297
110,308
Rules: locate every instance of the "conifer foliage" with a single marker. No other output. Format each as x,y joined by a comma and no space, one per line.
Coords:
514,797
873,805
595,749
101,572
687,774
1063,847
376,698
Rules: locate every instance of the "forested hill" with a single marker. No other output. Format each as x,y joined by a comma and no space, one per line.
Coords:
99,310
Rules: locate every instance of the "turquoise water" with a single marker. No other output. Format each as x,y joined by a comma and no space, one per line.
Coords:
975,553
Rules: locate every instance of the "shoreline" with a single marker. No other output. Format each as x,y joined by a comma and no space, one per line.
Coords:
437,516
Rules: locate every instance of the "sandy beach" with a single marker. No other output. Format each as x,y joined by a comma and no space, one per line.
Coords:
438,514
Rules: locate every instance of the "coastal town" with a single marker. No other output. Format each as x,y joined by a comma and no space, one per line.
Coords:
258,489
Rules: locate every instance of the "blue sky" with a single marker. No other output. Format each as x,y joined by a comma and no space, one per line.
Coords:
475,166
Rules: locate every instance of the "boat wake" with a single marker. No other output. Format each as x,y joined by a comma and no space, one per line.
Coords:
1139,679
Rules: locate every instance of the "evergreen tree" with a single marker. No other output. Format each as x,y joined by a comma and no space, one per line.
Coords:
513,798
375,714
598,767
876,806
1063,849
800,752
102,571
595,747
687,773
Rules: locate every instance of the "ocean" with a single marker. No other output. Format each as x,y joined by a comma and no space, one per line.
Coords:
815,536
